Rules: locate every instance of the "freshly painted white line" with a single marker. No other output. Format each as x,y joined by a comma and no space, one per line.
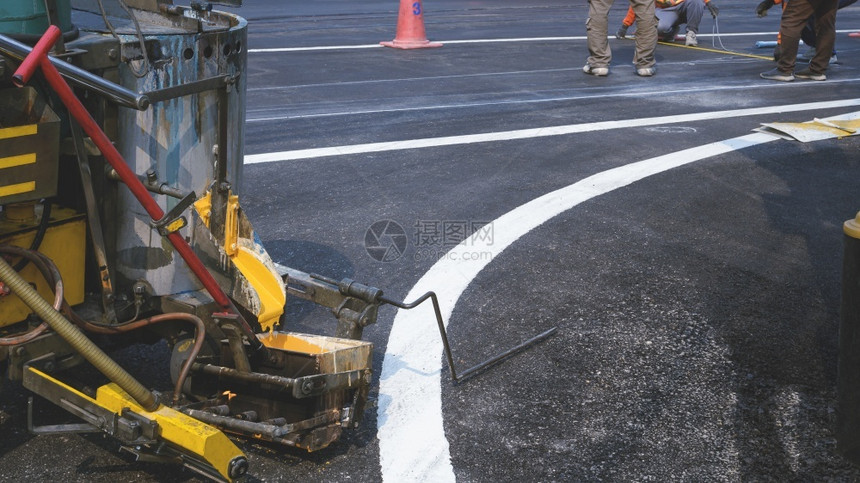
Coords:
488,41
650,93
412,441
535,132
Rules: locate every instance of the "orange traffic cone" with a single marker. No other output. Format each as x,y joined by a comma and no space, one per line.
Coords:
410,28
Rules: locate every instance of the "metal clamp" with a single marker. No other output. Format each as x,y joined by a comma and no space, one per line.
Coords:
173,220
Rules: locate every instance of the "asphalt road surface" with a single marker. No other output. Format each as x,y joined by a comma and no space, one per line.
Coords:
691,266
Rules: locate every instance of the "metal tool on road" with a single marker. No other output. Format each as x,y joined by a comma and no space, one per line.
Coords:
373,297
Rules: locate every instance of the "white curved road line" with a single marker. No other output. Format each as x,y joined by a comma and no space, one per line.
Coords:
412,442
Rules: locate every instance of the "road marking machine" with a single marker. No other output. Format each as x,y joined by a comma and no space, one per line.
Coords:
121,145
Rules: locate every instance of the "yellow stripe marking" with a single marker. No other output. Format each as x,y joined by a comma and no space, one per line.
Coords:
12,161
16,189
18,131
730,52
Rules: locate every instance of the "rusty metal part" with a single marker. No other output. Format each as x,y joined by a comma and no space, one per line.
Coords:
94,223
353,304
152,184
208,84
235,341
268,431
300,387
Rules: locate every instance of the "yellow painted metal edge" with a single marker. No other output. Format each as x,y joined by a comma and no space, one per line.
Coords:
20,160
196,437
19,131
62,385
269,289
265,283
16,189
203,206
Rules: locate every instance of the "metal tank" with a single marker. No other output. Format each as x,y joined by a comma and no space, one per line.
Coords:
192,69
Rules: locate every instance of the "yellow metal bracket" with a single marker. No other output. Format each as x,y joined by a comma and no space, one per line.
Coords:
266,284
116,413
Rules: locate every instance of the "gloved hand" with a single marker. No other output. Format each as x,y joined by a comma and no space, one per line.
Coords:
622,32
763,7
715,11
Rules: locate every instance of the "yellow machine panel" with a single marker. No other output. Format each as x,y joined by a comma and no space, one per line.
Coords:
64,242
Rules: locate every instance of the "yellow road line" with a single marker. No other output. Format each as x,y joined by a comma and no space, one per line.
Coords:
730,52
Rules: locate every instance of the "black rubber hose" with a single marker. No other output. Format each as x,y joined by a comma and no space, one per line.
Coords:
40,235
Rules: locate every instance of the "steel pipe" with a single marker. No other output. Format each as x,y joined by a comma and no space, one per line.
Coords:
79,77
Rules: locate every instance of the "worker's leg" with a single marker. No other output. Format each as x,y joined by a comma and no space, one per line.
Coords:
596,29
825,33
793,19
668,19
691,13
646,33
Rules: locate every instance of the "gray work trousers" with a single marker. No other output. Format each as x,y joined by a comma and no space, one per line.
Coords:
597,31
689,12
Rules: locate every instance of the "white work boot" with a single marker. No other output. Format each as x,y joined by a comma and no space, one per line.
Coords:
691,38
598,71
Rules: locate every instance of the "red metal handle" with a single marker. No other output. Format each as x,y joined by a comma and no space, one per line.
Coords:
28,66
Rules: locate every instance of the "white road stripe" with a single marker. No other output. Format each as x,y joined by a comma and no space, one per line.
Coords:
535,132
412,442
489,41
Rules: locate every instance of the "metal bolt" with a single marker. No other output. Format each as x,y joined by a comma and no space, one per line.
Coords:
307,387
238,467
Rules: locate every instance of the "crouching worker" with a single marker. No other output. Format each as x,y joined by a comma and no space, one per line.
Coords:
671,14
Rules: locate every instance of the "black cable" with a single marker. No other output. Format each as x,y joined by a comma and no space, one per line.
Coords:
40,235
